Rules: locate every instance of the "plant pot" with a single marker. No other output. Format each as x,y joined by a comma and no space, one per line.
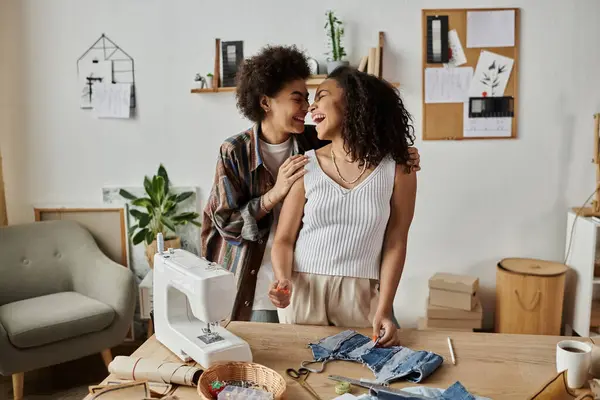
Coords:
332,65
174,243
209,82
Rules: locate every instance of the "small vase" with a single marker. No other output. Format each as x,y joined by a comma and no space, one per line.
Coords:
209,82
332,65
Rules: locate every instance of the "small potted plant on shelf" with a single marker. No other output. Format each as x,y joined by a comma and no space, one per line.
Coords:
209,80
160,214
335,32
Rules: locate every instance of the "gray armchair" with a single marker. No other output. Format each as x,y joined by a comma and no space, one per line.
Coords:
61,298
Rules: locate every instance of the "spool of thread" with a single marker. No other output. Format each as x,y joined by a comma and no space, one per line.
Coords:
160,243
343,387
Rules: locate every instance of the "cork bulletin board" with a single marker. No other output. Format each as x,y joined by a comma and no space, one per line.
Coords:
448,118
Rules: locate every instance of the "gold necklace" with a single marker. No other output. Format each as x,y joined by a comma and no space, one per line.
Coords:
364,168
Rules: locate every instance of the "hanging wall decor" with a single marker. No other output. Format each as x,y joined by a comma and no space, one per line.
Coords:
101,64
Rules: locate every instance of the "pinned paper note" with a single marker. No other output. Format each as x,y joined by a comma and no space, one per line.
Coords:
485,127
491,28
112,100
447,85
457,54
491,75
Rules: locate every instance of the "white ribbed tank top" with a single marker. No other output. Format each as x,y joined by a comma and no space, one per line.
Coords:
343,229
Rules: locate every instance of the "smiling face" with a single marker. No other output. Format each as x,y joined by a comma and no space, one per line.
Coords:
287,110
328,110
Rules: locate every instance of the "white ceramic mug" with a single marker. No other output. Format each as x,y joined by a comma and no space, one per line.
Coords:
576,358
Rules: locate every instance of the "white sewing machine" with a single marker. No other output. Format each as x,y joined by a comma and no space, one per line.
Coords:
191,297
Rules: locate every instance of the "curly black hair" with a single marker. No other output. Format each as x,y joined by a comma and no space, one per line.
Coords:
376,124
265,74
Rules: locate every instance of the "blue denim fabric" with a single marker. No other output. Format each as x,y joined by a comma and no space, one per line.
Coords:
455,392
387,363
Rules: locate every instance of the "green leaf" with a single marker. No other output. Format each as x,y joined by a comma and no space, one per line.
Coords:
168,223
198,224
183,196
150,237
186,216
140,236
136,213
144,220
143,202
132,230
163,173
127,195
169,208
150,191
148,186
158,188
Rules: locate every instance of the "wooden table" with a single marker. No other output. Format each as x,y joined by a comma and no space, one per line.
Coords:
498,366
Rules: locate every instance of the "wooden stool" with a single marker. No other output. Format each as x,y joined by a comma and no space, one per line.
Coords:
529,296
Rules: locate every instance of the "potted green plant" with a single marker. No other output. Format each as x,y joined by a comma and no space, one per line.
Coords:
157,212
209,80
335,32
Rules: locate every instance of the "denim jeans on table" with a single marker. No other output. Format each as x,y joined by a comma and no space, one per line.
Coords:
387,363
455,392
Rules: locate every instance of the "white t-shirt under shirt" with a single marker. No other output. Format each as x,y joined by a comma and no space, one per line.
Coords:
273,156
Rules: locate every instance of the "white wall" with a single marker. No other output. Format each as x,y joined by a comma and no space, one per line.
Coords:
478,201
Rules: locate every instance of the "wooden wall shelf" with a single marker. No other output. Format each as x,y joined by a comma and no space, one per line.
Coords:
311,84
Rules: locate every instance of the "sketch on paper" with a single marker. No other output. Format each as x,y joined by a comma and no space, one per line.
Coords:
491,75
104,63
189,233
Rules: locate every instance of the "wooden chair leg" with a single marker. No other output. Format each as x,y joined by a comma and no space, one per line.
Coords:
150,329
107,357
17,381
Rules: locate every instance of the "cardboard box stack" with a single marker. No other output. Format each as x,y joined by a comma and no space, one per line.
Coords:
453,303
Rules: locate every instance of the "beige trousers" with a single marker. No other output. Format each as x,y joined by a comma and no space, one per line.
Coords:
331,300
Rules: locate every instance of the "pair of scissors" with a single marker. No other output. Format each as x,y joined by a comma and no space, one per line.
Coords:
300,376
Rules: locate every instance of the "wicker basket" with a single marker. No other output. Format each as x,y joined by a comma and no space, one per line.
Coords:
242,371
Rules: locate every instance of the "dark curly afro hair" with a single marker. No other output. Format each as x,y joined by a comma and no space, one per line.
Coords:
375,124
265,74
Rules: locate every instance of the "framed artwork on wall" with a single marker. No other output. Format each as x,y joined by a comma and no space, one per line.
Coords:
232,56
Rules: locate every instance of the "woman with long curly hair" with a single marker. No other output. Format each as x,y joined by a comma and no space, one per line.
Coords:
340,246
254,172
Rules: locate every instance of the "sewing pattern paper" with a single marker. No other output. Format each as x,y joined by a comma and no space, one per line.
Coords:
447,85
491,28
491,75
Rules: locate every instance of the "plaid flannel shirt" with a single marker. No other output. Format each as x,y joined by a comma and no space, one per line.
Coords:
231,235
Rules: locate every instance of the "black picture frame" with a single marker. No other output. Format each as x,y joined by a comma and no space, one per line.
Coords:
232,56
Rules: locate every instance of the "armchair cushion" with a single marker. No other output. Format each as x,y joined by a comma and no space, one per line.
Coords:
51,318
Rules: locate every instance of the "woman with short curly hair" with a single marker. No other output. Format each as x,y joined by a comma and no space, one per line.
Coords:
255,170
340,246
